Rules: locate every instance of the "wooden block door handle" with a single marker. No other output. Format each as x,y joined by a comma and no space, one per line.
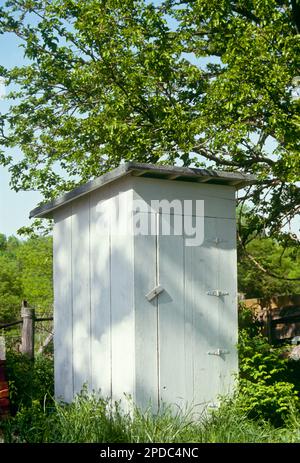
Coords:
154,292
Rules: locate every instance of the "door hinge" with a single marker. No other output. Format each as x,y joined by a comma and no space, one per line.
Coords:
217,293
154,292
217,240
218,352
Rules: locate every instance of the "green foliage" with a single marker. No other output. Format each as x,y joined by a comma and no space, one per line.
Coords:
275,259
263,400
259,360
265,388
25,273
35,261
197,83
94,420
29,382
247,321
272,402
10,289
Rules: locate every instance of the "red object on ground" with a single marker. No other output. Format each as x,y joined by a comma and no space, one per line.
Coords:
4,392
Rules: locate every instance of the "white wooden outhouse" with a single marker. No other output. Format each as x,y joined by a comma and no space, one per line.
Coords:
147,312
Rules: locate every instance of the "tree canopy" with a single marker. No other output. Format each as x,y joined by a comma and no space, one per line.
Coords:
274,260
199,83
25,273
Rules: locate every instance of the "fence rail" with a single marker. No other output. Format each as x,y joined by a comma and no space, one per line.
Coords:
279,316
7,325
28,328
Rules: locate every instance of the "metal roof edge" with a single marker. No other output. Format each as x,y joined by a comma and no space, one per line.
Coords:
208,176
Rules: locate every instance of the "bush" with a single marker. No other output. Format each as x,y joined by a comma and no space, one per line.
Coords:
29,381
264,388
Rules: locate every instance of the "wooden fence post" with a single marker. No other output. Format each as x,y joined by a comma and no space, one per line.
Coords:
27,343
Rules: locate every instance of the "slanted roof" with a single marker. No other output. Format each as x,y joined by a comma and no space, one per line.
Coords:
174,173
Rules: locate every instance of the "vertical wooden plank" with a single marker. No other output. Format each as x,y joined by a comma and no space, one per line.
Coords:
146,342
27,343
190,312
100,295
81,293
63,319
204,263
189,315
228,316
122,310
171,318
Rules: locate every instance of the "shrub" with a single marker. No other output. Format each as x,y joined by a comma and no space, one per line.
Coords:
29,381
264,390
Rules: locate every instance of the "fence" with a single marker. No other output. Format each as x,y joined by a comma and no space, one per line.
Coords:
28,323
279,316
28,328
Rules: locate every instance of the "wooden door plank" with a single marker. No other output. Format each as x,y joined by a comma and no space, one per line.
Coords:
206,317
171,319
146,335
228,325
122,311
100,296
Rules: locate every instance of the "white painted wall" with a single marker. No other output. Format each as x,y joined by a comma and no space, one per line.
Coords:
63,305
107,334
94,309
184,324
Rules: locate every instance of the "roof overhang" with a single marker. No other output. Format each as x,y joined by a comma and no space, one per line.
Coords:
174,173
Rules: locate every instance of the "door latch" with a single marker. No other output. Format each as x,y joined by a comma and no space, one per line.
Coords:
154,293
217,293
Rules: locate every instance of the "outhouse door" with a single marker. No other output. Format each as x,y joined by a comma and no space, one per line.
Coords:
188,310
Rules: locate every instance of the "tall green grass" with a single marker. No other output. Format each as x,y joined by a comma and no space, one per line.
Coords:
90,419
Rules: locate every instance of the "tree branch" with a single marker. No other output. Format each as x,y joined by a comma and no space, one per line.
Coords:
260,267
205,153
199,149
296,14
246,13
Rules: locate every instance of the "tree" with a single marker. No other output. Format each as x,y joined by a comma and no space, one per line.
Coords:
205,83
274,259
35,262
25,273
10,290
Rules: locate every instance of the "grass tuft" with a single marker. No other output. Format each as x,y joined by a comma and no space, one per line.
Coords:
93,419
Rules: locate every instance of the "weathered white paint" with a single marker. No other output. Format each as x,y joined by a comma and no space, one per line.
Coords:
63,302
171,318
100,299
146,324
218,199
228,326
81,293
109,335
122,311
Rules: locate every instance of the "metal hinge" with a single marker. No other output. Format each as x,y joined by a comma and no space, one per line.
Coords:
217,293
218,352
217,240
154,293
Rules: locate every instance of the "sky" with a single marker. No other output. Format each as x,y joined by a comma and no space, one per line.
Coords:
14,207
